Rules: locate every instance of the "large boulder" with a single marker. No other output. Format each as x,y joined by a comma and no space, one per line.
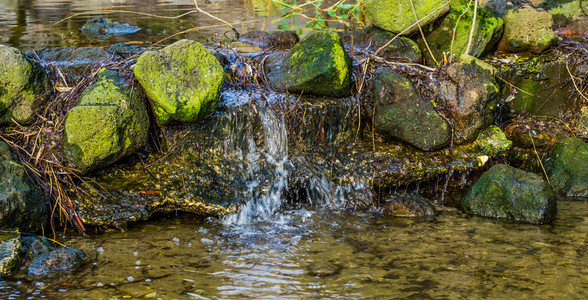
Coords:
109,122
183,82
451,36
24,87
507,192
398,15
402,113
318,65
371,39
568,167
527,30
22,205
469,96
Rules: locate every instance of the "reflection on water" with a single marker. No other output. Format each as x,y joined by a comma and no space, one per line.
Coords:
325,254
27,24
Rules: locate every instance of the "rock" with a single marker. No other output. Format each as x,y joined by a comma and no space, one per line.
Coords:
407,205
10,245
182,81
567,167
576,30
566,11
527,29
109,122
359,199
582,123
71,64
403,114
534,133
507,192
451,36
371,39
501,7
125,50
24,87
398,16
53,261
469,96
21,204
277,40
102,27
318,65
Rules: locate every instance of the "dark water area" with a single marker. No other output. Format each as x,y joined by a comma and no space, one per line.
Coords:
32,24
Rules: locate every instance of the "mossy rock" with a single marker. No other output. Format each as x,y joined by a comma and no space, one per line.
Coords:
109,122
182,81
566,11
582,123
398,15
22,205
511,193
371,39
24,87
527,30
450,38
317,65
402,113
568,167
10,246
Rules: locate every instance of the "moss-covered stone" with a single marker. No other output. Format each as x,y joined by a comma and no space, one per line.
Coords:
22,205
566,11
469,96
402,113
372,39
568,167
109,122
398,15
527,29
511,193
318,65
582,123
24,87
10,245
450,38
183,82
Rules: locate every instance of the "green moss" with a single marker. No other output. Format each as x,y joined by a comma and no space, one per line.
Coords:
183,81
397,15
568,167
527,29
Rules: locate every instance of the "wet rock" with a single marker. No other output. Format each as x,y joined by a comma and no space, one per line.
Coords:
21,204
71,64
401,113
507,192
567,167
318,65
371,39
325,269
277,40
576,30
582,123
527,29
10,245
501,7
398,16
544,88
566,11
451,36
534,133
407,205
24,87
109,122
469,96
182,81
125,50
53,261
360,199
102,27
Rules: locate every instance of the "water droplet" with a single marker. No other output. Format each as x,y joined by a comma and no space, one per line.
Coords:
130,279
100,250
135,253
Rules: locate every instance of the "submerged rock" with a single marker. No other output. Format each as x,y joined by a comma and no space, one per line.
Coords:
371,39
469,96
567,167
527,29
10,245
24,87
109,122
182,81
407,205
277,40
507,192
22,205
318,65
125,50
102,27
398,15
402,113
40,259
451,36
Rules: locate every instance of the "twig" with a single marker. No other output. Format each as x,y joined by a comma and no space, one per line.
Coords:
538,158
422,34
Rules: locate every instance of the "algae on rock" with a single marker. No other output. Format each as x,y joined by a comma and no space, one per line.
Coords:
182,81
568,167
109,122
398,15
527,29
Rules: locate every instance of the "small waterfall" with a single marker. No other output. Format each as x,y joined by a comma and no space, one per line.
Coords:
276,153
